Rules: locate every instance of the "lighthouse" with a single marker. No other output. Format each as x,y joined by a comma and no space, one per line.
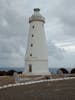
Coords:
36,57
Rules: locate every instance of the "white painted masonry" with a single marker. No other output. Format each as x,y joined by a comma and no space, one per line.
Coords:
36,58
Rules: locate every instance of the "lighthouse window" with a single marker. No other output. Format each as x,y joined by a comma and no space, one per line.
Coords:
31,54
32,35
31,45
33,26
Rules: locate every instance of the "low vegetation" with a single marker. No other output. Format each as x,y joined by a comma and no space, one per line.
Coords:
8,73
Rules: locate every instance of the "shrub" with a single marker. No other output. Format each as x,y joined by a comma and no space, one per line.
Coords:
10,72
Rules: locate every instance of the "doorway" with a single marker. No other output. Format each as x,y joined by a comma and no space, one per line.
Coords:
30,67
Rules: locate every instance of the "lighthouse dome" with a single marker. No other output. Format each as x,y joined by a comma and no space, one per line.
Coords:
36,16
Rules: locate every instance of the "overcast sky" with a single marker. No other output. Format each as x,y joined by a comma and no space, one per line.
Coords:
59,28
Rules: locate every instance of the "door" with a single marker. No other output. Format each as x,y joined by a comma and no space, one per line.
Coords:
30,67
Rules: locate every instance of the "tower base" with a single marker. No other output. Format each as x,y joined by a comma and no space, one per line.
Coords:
36,74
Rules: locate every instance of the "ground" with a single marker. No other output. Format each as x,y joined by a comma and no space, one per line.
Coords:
59,90
4,80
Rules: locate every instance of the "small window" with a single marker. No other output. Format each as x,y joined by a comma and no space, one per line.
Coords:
31,45
32,35
33,26
31,54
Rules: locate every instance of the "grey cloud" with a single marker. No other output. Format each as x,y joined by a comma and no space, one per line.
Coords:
69,22
68,17
60,25
54,51
64,11
68,61
12,36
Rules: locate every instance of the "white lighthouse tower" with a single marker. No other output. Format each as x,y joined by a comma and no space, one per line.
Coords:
36,58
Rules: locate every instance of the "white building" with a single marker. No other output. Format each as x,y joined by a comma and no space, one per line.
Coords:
36,58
